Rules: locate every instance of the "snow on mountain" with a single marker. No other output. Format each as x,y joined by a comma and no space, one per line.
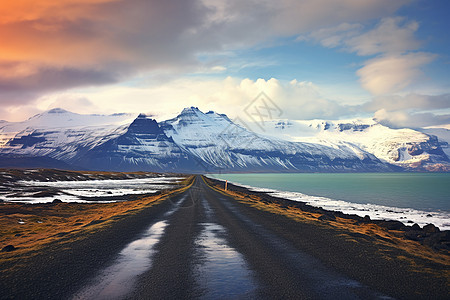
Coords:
210,142
60,118
407,148
61,126
443,135
142,146
59,134
214,139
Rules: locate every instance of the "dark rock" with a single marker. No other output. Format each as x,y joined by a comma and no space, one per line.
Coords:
366,218
413,235
438,241
392,225
327,217
429,215
57,201
8,248
415,227
353,217
430,228
409,222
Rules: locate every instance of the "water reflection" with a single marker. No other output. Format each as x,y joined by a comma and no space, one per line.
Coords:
117,280
223,271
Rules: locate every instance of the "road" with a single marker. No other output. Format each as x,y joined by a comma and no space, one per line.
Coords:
207,246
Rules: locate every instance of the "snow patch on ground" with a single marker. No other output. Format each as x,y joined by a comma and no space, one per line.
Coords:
78,191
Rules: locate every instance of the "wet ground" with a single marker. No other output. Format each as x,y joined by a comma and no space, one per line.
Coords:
203,244
190,253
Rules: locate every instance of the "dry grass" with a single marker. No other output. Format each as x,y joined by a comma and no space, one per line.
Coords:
418,255
47,223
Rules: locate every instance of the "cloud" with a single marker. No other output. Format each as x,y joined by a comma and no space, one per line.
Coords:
334,36
397,64
297,100
295,17
390,36
392,73
408,102
26,81
400,119
412,110
77,43
302,100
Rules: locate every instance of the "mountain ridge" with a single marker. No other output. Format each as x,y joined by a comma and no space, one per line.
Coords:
197,142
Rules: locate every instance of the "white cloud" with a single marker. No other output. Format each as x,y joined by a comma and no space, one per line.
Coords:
408,102
392,73
390,36
402,118
335,36
392,39
297,100
412,110
300,16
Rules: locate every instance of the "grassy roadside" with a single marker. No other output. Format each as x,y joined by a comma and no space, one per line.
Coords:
31,228
389,244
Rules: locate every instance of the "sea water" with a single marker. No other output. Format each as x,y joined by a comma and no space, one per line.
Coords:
421,198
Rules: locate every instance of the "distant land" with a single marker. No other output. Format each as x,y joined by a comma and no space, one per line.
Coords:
198,142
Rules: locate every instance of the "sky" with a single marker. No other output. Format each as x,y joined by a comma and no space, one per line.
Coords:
315,59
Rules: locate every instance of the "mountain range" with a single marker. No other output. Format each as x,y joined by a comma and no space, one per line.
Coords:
197,142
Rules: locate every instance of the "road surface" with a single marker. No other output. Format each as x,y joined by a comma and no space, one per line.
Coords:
205,246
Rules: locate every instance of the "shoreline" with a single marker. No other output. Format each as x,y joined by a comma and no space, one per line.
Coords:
429,235
361,249
374,254
352,205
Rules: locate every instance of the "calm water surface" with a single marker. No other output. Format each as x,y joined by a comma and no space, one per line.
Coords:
423,191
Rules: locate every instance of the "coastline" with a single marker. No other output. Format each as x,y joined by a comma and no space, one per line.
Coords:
394,258
373,195
377,254
429,235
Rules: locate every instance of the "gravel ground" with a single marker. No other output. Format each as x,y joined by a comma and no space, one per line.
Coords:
287,259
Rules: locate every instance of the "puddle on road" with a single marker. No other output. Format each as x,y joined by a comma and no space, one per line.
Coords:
116,281
223,271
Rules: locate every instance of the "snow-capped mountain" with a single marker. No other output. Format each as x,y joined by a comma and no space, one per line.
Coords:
210,142
443,135
143,146
219,143
407,148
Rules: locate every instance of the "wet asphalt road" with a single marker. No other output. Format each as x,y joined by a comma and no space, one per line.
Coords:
206,247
